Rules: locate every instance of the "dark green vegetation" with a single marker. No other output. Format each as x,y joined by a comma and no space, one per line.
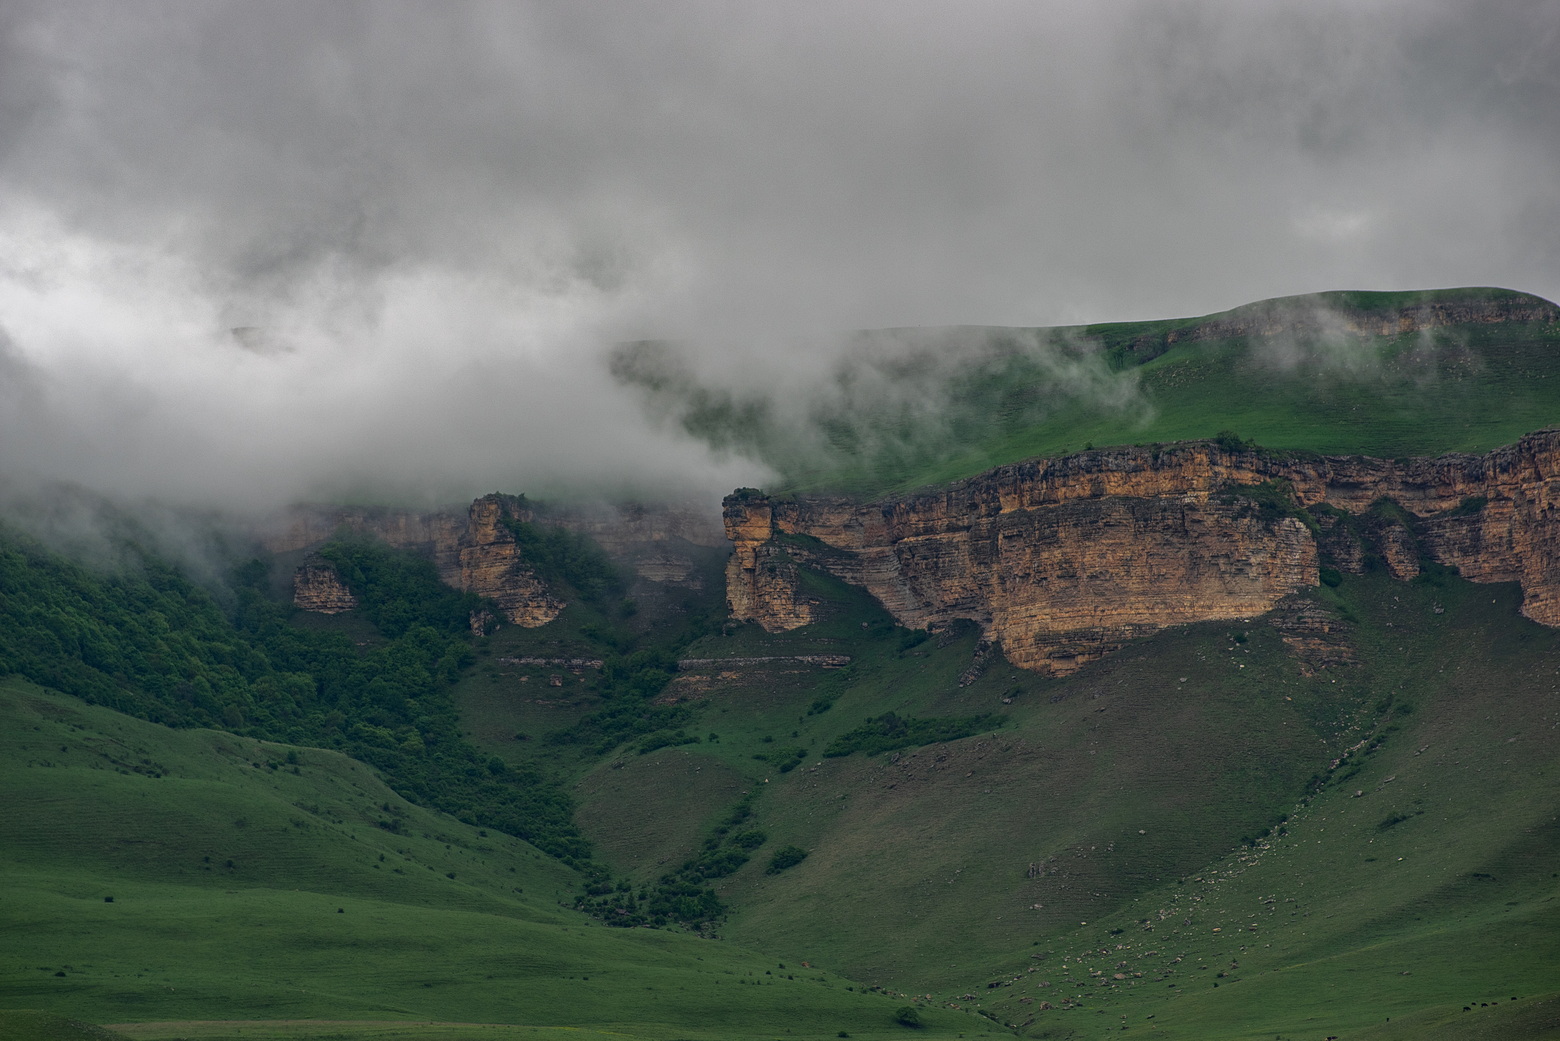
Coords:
566,559
909,408
889,732
148,642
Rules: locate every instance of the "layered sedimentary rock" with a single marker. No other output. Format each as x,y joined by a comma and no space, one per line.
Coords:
475,549
1063,559
492,565
318,587
435,534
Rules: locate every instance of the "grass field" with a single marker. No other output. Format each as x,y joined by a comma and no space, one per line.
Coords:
1123,837
1138,796
159,877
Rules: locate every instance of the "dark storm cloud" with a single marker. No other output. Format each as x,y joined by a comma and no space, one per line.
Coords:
428,221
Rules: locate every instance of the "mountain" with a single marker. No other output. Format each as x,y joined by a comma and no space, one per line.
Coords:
1205,735
1383,374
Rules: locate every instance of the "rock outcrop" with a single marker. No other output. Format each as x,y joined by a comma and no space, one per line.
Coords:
317,586
476,551
492,565
1063,559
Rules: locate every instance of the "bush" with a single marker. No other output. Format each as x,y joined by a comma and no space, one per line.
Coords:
907,1016
561,555
889,731
749,839
1233,442
785,857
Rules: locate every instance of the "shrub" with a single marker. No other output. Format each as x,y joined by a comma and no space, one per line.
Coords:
889,731
907,1016
561,555
785,857
1231,441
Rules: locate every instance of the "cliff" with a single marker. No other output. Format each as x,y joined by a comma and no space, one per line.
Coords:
475,550
1061,560
318,587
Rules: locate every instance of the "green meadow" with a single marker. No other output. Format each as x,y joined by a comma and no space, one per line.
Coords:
162,877
911,408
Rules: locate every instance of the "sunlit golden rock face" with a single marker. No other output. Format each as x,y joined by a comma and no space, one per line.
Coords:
492,565
1062,560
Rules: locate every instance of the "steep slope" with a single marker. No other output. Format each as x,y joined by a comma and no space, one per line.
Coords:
1198,783
1386,374
479,550
1063,560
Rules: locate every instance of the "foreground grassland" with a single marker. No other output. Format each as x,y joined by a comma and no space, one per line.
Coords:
243,890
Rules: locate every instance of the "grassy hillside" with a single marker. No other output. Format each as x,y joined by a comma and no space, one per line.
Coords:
1182,786
158,876
907,408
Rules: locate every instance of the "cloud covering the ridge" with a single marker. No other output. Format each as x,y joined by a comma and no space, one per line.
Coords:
260,252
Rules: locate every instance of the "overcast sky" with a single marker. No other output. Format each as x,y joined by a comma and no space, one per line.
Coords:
428,220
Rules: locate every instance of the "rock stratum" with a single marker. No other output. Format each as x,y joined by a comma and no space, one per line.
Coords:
476,551
1063,560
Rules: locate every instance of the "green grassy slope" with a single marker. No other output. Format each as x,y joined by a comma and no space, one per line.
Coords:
918,407
1144,787
244,890
28,1025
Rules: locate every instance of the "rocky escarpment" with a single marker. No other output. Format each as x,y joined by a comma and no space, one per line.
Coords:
1063,559
318,587
476,551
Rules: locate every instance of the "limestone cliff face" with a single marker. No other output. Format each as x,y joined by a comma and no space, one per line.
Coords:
435,534
492,565
1063,559
318,587
475,550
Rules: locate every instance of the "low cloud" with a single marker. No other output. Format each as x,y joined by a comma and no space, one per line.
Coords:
422,386
254,253
888,404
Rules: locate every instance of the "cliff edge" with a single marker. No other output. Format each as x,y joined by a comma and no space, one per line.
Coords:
1062,560
475,550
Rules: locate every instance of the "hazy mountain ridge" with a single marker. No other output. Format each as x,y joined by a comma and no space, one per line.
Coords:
1388,374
